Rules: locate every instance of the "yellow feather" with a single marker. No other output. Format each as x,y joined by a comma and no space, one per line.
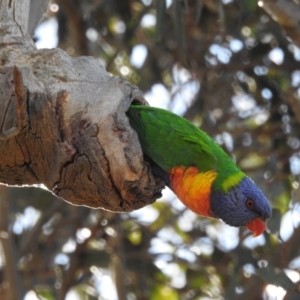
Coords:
232,180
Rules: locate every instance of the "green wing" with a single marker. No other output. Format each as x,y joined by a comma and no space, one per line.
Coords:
170,140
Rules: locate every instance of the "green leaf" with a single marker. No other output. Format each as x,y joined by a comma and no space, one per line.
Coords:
164,292
282,201
45,294
135,237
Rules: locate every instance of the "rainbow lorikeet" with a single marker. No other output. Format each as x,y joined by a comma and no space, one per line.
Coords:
197,169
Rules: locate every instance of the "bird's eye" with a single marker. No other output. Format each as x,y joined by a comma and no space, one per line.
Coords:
250,203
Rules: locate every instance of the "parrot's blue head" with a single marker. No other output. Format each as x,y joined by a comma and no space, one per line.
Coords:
242,205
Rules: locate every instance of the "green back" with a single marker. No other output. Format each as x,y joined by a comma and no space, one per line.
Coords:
170,140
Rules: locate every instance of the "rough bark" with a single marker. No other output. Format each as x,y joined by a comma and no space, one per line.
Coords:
63,123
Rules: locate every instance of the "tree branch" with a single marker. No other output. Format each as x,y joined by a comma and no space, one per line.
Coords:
36,11
11,273
287,14
63,124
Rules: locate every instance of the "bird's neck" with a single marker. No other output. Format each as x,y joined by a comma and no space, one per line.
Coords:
193,188
228,180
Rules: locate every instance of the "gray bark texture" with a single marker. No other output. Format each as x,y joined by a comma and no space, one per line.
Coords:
63,123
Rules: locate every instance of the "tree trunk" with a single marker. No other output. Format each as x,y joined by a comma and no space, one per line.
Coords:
63,123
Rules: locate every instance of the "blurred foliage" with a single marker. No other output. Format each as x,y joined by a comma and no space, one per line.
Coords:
231,67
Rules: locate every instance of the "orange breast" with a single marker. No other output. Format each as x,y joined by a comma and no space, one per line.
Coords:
193,188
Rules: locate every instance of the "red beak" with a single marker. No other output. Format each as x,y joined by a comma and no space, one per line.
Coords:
257,226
